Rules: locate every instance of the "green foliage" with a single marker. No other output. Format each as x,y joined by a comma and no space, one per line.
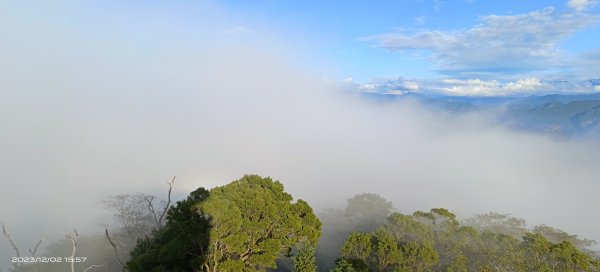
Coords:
368,211
243,226
498,223
304,260
386,253
364,213
459,264
555,235
545,255
253,222
406,228
342,265
180,245
418,257
436,241
382,251
441,218
358,246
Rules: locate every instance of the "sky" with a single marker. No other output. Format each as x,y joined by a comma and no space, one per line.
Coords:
108,97
461,47
458,47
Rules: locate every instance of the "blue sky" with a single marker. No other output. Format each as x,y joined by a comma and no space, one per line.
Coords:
342,28
457,47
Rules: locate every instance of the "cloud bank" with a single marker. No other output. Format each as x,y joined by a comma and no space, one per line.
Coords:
500,47
474,87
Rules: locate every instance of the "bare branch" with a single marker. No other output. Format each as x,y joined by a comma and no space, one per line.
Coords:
164,212
149,199
12,243
36,246
92,266
114,246
74,238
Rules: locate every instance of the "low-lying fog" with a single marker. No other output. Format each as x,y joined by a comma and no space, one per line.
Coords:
108,119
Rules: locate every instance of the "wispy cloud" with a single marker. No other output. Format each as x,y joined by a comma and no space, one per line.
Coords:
581,5
398,86
420,20
476,87
500,45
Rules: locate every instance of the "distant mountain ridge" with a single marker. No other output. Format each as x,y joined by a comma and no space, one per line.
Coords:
558,115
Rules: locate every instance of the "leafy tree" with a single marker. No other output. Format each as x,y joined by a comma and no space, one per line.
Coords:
513,260
382,251
544,255
181,245
406,228
387,255
440,218
243,226
253,222
555,235
570,258
418,257
364,212
436,241
368,210
498,223
459,264
358,246
342,265
304,261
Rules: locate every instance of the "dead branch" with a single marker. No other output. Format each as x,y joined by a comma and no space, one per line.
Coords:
92,266
36,246
114,246
74,238
12,243
149,199
123,245
164,212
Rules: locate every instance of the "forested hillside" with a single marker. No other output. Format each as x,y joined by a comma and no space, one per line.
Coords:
252,224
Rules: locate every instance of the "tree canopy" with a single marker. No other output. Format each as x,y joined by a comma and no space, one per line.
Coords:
253,222
181,245
436,241
245,225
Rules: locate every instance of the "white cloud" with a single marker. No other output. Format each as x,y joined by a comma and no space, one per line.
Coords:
475,86
396,86
527,84
500,44
580,5
368,88
411,86
395,92
478,87
470,87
